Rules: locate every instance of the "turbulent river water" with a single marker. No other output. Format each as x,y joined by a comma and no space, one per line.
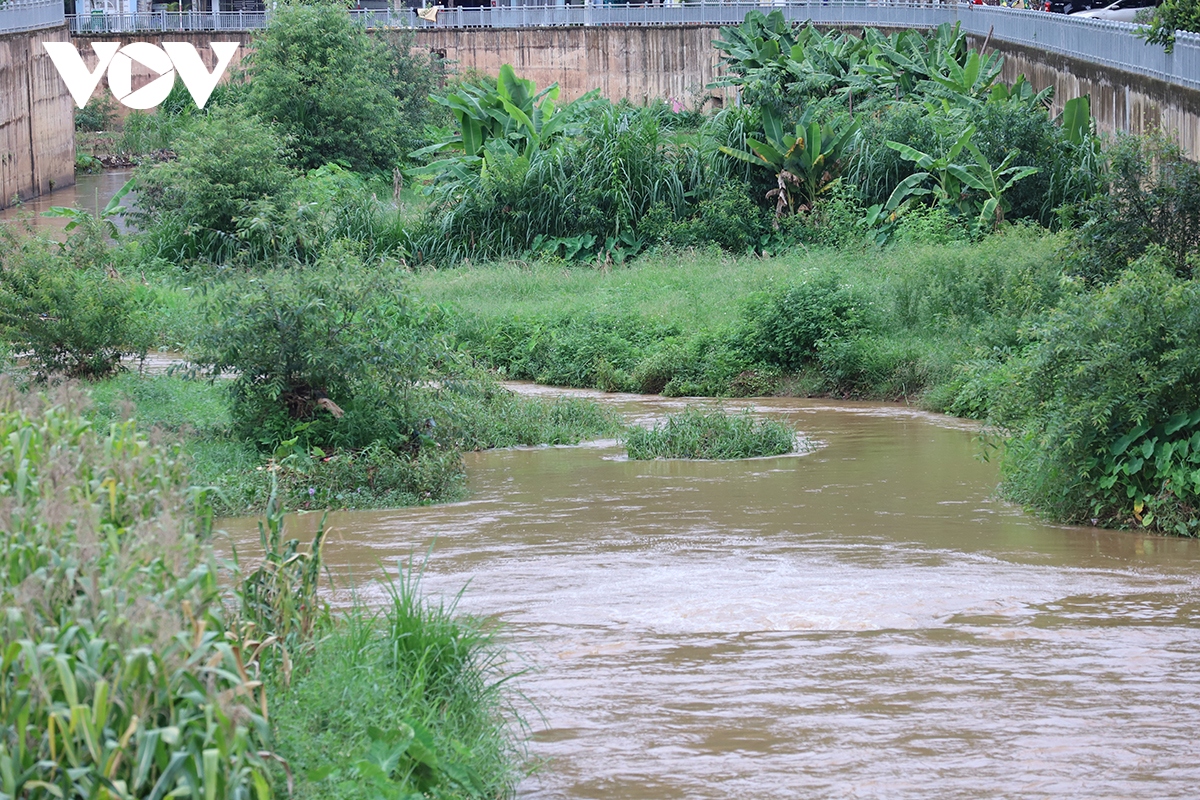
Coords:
866,620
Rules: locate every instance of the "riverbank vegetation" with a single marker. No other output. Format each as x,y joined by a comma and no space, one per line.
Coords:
136,664
715,434
879,217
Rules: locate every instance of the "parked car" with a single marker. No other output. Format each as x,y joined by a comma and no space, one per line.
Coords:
1070,6
1121,11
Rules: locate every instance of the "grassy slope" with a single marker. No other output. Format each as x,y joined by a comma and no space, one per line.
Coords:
929,307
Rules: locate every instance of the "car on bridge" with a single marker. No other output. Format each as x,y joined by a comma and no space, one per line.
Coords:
1121,11
1070,6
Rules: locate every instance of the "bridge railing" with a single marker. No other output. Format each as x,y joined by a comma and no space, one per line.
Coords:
29,15
1110,44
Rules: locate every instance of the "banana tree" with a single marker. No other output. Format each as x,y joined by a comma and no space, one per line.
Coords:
106,217
968,187
806,162
513,111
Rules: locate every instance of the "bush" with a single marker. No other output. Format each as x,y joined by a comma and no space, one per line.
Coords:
74,321
1170,17
229,164
784,327
1101,410
330,354
728,219
710,435
97,115
1153,199
327,82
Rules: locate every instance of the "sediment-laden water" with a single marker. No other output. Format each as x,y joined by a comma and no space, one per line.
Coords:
866,620
91,192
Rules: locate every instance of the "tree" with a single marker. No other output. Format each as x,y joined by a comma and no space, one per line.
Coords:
328,83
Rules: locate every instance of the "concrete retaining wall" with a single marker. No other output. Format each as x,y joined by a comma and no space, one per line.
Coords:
37,122
624,63
1121,101
633,63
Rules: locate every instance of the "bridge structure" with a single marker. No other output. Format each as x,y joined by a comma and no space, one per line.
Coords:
1114,45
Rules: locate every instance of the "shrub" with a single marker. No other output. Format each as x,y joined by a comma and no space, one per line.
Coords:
97,115
76,321
329,354
1101,410
710,435
783,327
228,162
1170,17
326,81
728,219
1153,199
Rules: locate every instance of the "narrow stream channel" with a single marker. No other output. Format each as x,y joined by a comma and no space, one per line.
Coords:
91,192
862,621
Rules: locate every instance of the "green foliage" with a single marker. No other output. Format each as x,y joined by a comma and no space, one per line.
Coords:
785,327
97,115
327,82
228,164
329,353
1170,17
279,596
375,476
728,219
511,110
70,317
710,435
805,163
1153,200
409,701
120,675
598,185
968,187
1102,408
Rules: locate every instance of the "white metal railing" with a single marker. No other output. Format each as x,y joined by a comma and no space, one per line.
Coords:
29,15
1110,44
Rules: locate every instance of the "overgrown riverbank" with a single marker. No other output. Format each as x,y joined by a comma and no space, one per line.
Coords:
881,216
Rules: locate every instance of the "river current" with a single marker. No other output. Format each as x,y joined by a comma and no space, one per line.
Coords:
865,620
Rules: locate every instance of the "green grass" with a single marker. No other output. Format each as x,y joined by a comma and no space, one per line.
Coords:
706,323
716,435
408,700
169,402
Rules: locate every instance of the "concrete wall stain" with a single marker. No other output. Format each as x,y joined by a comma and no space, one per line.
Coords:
37,122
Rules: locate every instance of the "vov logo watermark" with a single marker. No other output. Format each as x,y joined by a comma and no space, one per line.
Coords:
166,61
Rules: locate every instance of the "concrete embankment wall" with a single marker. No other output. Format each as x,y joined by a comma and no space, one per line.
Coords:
1121,101
37,122
634,63
623,63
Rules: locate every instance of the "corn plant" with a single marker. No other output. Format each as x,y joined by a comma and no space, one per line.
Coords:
119,676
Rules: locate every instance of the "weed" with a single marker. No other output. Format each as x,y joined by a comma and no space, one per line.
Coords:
710,435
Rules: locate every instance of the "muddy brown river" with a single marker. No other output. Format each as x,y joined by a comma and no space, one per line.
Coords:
864,621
